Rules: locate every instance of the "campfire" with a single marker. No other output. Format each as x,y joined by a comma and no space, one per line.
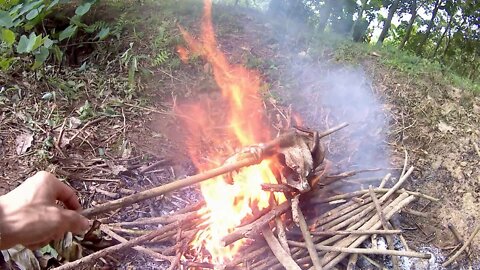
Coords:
268,199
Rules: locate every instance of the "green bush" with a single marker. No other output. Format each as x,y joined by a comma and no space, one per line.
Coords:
20,34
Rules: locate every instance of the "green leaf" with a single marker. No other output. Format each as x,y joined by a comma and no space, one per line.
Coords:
41,56
5,19
47,42
83,9
57,53
103,33
22,45
26,45
8,36
5,63
67,33
32,14
30,6
52,4
49,250
37,41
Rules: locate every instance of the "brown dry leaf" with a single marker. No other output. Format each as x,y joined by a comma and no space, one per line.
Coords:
23,141
21,257
116,169
443,127
67,248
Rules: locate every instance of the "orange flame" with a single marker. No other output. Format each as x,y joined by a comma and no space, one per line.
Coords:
228,204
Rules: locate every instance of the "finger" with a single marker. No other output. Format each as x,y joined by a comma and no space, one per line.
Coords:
65,194
75,222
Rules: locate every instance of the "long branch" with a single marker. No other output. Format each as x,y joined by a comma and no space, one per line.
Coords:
266,149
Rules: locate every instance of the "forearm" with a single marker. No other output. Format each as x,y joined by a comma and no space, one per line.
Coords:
2,223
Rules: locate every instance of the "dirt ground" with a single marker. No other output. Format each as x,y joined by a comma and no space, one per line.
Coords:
437,125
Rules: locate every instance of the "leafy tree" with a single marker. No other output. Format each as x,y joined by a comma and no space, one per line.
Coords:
430,25
387,23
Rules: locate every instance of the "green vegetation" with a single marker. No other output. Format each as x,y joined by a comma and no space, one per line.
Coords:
415,36
24,32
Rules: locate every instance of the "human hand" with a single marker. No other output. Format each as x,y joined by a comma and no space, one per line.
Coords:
30,215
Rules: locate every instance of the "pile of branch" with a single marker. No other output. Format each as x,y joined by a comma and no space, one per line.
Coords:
287,235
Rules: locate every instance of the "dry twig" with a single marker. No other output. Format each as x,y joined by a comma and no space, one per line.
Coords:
283,257
300,220
465,245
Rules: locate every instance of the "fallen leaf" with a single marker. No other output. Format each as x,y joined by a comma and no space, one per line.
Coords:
116,169
23,141
67,248
443,127
74,122
22,257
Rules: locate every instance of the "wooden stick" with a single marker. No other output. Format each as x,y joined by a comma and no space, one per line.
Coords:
257,225
386,225
141,249
364,223
153,165
405,162
248,256
153,220
281,234
300,220
396,186
267,149
365,191
339,211
332,130
378,265
415,213
157,191
357,232
348,250
277,188
385,180
465,245
352,261
458,237
283,257
374,223
131,243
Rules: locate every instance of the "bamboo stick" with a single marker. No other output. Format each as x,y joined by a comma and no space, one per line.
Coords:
370,251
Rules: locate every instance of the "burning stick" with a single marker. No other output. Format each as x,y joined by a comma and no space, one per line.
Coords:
265,150
256,226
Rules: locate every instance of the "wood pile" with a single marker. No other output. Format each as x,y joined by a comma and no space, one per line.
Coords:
311,229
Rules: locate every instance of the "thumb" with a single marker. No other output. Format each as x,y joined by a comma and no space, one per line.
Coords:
76,223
